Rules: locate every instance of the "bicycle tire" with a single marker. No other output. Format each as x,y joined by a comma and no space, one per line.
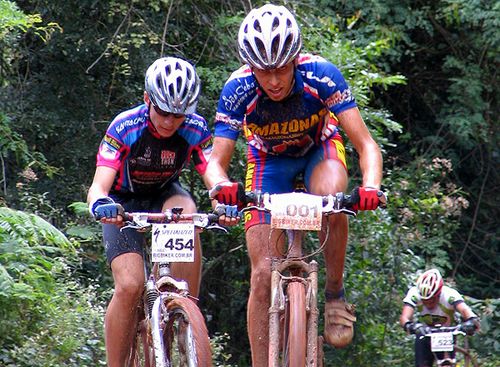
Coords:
141,351
295,326
186,335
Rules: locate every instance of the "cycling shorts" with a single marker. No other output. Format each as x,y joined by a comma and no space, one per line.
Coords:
424,355
118,242
277,174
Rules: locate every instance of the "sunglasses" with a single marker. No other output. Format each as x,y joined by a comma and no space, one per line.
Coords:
165,113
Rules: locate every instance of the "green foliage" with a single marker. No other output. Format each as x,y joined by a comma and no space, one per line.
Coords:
12,19
45,311
486,342
14,152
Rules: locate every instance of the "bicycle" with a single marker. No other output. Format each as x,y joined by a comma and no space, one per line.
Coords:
443,344
171,330
293,312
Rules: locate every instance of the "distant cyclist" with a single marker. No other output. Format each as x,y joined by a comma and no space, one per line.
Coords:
435,304
139,162
291,107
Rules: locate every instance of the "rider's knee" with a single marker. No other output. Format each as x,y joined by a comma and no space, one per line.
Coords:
129,289
260,280
185,202
328,177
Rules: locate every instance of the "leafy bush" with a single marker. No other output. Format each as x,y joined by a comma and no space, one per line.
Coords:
49,319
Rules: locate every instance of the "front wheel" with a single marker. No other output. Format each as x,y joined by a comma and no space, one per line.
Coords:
141,352
186,335
295,326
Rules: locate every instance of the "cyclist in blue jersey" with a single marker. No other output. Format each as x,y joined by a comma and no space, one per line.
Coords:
139,162
290,107
435,304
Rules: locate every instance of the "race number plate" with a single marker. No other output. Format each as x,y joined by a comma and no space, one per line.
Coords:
173,242
441,342
296,211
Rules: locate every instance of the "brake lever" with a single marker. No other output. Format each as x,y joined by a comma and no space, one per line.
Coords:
136,227
217,227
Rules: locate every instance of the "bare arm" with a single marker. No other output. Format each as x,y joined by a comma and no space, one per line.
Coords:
103,180
406,315
465,311
218,163
370,157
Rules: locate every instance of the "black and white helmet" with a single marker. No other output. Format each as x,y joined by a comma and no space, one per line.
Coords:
173,85
269,37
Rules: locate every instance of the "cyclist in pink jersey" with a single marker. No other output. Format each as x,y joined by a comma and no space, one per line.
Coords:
290,107
139,162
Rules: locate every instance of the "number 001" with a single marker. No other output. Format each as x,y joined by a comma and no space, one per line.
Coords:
302,210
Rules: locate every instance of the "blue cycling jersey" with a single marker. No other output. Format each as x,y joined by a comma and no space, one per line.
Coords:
292,126
145,161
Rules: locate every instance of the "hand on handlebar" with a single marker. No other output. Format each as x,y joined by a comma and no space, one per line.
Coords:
367,198
471,326
416,328
106,209
422,329
228,214
229,193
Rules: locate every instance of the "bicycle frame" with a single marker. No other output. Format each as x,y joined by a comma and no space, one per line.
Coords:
294,284
164,300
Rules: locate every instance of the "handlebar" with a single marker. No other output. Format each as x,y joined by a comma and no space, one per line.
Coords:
143,220
332,203
455,330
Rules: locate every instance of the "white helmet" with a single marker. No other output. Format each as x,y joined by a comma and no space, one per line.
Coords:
269,37
173,85
429,283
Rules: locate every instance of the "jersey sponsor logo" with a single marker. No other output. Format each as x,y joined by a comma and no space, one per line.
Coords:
207,144
334,99
233,124
144,160
414,299
233,101
434,319
249,176
276,130
149,177
196,122
113,142
167,158
108,152
325,80
338,97
303,144
119,128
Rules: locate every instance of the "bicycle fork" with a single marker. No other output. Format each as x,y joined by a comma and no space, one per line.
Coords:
279,283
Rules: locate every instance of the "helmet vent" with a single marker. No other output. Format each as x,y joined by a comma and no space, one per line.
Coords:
256,26
276,23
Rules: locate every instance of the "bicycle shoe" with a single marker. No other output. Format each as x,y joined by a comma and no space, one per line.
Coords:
339,322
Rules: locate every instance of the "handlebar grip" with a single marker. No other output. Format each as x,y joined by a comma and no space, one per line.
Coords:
213,218
347,201
250,197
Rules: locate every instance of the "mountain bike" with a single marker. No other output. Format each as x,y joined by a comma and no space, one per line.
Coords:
443,344
293,312
171,330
